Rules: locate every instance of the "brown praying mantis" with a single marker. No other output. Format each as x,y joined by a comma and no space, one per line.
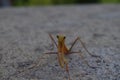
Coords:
62,51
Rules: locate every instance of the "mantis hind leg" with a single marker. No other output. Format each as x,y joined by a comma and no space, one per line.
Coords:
67,68
82,57
83,45
51,53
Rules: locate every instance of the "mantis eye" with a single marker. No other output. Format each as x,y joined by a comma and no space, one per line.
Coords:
57,36
64,37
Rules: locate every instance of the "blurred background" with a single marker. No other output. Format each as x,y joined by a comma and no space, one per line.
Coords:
6,3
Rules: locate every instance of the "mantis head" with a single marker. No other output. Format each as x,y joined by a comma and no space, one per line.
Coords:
61,38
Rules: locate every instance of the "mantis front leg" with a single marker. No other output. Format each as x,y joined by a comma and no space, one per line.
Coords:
54,42
82,57
83,45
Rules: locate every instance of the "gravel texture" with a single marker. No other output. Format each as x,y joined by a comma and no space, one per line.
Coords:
24,40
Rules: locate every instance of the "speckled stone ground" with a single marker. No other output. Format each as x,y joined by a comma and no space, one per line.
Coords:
24,39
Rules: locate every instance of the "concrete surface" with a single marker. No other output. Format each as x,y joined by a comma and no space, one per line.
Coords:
24,39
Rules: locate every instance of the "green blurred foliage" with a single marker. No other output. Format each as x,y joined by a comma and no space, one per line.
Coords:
40,2
110,1
57,2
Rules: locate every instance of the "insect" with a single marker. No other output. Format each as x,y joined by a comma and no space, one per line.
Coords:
62,51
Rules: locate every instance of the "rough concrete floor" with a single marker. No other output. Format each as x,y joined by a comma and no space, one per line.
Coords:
24,40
